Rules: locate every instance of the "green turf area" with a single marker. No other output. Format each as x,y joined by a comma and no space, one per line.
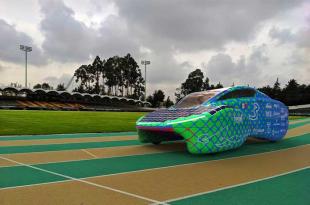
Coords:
15,122
298,117
23,122
17,175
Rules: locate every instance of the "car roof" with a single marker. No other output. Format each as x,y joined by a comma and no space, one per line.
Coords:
216,91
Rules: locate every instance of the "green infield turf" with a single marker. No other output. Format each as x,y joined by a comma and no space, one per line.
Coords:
298,117
17,122
23,122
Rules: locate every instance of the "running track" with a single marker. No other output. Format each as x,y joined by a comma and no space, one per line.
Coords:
114,168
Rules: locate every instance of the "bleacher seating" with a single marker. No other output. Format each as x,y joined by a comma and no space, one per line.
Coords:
39,99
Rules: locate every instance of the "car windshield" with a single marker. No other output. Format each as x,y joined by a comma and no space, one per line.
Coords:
195,99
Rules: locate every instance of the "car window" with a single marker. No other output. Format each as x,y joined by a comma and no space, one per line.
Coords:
238,94
195,99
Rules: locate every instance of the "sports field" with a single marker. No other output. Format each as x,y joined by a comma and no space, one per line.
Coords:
114,168
16,122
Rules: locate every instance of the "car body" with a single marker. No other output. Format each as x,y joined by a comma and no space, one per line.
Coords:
216,120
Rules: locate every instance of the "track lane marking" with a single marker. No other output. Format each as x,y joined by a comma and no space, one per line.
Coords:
156,150
89,153
294,132
7,143
208,176
82,181
229,187
151,169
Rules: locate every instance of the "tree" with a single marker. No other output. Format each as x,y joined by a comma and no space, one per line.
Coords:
276,91
291,93
157,98
206,84
219,85
267,90
44,86
110,68
16,85
82,76
114,76
168,102
96,71
37,86
60,87
193,83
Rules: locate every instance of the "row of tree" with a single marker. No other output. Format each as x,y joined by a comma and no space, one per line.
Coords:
46,86
119,76
291,94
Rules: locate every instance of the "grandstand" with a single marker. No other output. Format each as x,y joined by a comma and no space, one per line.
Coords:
39,99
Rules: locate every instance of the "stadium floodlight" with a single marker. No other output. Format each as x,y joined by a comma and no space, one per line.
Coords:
26,49
145,63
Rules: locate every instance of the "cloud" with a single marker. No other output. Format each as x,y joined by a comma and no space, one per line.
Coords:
189,26
161,31
303,39
282,35
66,39
10,40
114,38
54,81
70,40
246,70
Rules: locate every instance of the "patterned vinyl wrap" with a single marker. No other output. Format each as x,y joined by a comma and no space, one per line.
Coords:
218,125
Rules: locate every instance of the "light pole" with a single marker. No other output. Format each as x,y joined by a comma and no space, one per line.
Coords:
26,49
145,63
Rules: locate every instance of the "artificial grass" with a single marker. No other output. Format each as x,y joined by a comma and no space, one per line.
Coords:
298,117
21,122
34,122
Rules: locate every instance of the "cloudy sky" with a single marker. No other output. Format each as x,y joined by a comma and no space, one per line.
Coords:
241,41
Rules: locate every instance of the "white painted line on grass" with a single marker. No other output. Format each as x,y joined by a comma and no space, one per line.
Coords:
84,181
233,186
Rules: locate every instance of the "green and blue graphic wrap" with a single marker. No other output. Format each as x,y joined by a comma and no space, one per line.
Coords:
217,120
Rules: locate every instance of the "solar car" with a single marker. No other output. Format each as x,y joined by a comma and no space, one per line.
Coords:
216,120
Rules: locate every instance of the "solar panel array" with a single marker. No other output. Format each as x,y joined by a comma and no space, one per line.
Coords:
174,113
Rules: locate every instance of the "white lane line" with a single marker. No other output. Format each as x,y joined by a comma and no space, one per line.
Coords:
114,156
84,181
158,168
233,186
89,153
